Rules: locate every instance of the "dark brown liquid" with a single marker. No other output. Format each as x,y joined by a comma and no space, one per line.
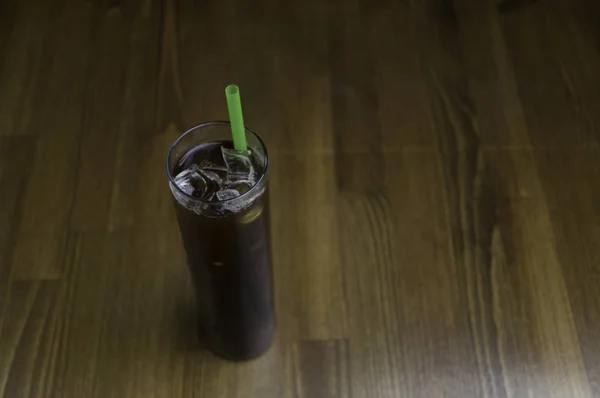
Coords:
229,260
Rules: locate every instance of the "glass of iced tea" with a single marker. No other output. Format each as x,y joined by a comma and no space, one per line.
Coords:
221,199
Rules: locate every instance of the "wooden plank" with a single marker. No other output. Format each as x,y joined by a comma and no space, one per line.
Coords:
323,368
14,173
25,26
490,75
7,21
91,260
103,110
355,105
409,324
163,330
568,179
366,231
267,376
529,271
28,338
401,96
58,119
309,298
546,45
156,287
307,129
137,125
169,96
468,207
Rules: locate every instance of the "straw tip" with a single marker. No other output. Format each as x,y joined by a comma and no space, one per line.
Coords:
232,89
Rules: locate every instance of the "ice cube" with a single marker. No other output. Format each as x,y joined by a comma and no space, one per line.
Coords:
239,166
227,194
191,181
212,176
182,180
213,171
215,177
196,182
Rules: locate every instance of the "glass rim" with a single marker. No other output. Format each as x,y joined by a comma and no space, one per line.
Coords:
216,123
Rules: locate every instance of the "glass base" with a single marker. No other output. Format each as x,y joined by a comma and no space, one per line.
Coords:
248,353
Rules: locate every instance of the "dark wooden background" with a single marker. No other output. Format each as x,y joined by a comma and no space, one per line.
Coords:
435,195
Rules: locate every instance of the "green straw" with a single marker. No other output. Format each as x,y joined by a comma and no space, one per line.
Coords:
238,132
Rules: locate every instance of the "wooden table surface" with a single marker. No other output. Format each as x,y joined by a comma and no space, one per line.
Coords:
435,193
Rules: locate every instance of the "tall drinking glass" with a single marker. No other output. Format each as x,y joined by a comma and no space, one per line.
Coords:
225,232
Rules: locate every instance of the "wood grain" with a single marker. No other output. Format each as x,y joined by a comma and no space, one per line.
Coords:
322,367
433,189
29,338
25,26
311,301
59,116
